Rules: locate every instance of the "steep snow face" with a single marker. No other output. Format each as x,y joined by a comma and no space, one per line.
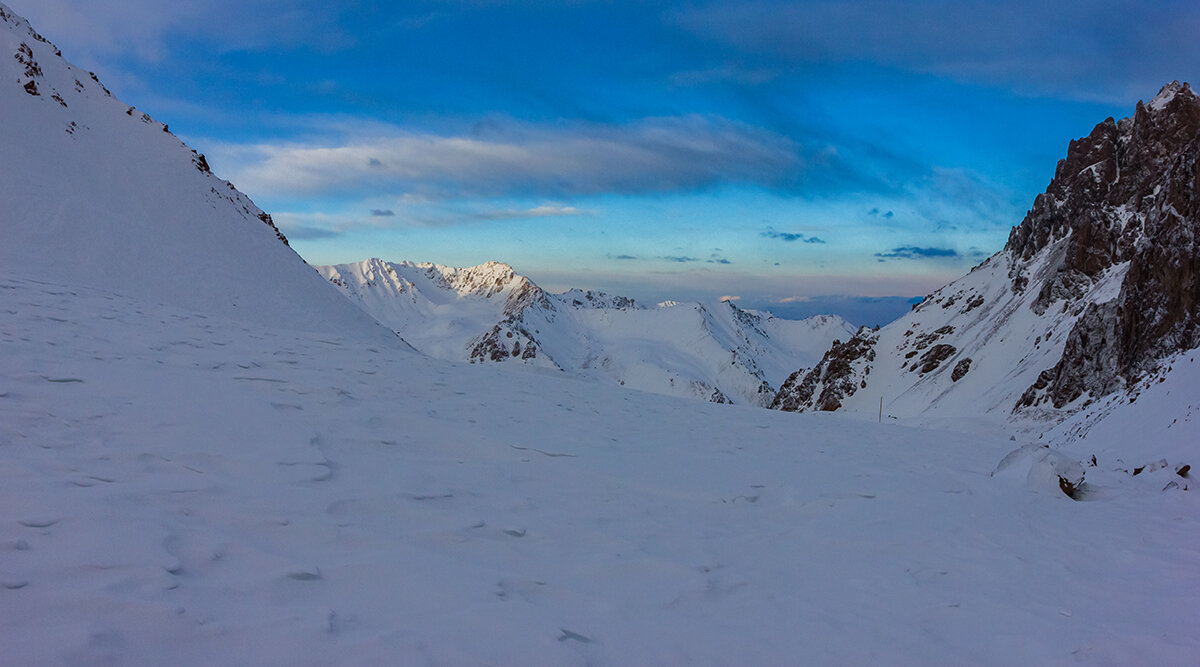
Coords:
715,352
96,192
1095,288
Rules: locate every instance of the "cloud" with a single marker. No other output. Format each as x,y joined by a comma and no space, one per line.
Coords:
681,259
654,155
298,232
144,28
724,74
544,211
622,257
915,252
883,214
727,298
382,213
1087,50
795,299
719,260
790,237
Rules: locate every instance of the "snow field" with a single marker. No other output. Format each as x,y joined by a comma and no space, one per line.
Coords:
187,489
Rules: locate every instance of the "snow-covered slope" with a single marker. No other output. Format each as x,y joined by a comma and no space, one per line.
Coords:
97,193
718,352
1096,289
364,506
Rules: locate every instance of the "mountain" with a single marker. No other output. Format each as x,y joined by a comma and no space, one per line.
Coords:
1096,291
96,192
489,313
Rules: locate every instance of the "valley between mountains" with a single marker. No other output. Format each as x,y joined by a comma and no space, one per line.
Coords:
215,453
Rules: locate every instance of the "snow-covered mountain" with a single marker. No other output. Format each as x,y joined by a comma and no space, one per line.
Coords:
489,313
1097,290
96,192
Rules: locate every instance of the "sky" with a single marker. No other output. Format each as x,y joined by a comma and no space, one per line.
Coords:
798,157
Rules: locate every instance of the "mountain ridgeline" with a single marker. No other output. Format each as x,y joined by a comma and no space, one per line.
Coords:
99,193
1095,291
488,313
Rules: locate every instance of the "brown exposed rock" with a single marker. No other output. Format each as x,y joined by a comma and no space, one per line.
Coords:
1129,192
960,369
934,357
831,380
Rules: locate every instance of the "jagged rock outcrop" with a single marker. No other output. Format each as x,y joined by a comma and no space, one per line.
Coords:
1128,193
832,380
1097,285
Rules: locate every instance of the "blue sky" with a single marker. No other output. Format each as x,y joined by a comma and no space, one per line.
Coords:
802,156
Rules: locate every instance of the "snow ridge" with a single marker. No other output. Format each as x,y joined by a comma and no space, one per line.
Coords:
99,193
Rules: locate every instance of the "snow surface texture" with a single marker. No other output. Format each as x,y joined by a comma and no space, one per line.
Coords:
178,489
187,480
718,352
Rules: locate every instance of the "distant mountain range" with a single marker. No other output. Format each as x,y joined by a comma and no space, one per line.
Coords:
488,313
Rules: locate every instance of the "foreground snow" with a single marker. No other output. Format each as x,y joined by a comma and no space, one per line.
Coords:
181,489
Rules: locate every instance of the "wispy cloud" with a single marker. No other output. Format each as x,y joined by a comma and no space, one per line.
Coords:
144,28
888,215
656,155
544,211
382,212
297,232
916,252
790,237
724,74
730,298
623,257
680,259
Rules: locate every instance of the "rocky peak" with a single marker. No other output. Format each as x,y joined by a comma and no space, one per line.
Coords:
1168,94
1113,177
1127,193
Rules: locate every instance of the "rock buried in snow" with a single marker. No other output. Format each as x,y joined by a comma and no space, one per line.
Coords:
960,369
1042,469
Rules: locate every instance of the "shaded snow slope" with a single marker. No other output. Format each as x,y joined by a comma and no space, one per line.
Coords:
336,515
96,192
716,352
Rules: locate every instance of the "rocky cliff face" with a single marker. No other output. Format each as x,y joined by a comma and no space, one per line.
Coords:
1094,288
1128,193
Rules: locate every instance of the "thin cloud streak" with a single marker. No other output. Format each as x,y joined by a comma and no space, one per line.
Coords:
916,252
